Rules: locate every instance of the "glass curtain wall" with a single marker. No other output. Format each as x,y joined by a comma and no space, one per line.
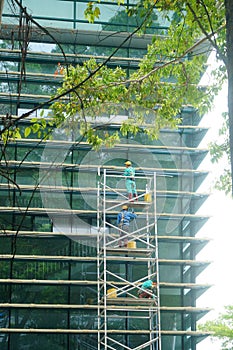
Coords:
48,255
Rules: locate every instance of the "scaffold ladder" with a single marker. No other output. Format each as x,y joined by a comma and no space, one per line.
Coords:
126,321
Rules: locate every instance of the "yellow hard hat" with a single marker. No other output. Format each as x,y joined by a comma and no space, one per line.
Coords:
128,162
125,207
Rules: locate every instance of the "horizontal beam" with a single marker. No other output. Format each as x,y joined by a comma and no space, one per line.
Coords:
95,331
40,234
128,146
89,167
14,55
59,211
82,37
188,309
55,188
180,128
62,258
94,283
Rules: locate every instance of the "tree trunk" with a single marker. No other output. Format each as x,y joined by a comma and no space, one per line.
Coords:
229,45
1,9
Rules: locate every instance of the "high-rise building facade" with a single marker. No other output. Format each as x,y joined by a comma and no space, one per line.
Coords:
65,282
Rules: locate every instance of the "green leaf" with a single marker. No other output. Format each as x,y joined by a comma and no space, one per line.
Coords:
35,127
27,131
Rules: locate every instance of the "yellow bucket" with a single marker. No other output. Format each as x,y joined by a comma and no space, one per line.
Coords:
131,245
147,197
112,293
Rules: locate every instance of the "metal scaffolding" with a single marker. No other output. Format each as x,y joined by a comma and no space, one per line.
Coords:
118,292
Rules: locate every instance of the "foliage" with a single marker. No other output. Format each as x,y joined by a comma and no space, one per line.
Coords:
199,18
112,87
92,12
220,150
188,21
167,78
222,328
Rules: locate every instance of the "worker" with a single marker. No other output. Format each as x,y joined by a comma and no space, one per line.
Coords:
147,290
129,174
123,222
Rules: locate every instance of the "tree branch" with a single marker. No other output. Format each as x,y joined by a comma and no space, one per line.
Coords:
207,35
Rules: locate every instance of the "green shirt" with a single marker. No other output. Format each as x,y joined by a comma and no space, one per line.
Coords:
129,172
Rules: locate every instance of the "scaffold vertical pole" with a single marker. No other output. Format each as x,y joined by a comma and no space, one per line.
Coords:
158,326
104,263
98,260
